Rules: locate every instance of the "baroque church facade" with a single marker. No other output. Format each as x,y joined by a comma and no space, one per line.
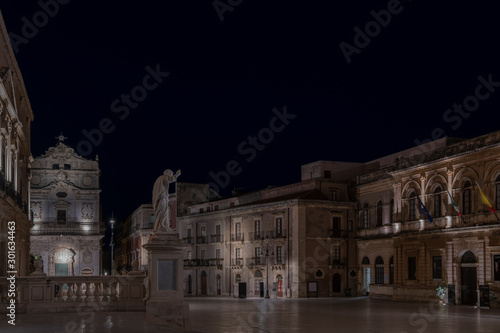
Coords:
65,204
15,158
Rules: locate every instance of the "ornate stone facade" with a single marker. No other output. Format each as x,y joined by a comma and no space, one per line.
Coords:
15,157
67,229
405,255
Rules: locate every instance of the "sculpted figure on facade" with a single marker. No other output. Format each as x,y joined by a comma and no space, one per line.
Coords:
160,200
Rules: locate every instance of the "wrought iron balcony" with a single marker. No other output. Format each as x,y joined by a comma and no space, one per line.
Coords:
237,237
335,233
256,236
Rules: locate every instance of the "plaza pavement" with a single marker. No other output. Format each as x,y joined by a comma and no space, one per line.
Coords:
224,314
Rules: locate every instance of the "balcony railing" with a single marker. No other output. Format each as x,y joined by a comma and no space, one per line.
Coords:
216,238
276,233
214,262
188,240
237,262
237,237
256,236
201,240
255,261
72,293
8,187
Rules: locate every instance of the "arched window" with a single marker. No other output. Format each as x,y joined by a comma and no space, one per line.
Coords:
411,206
258,274
379,270
366,217
365,261
468,258
238,278
379,213
437,202
466,198
497,192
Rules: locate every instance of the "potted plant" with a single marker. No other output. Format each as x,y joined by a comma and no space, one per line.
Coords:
441,293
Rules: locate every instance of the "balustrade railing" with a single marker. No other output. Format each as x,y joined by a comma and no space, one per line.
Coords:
75,293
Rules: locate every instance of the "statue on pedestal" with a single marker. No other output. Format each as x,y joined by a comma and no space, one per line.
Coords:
160,200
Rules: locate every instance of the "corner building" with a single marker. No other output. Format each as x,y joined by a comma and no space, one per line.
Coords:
295,241
15,158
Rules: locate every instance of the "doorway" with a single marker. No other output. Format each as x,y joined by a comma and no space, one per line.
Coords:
336,283
203,283
469,279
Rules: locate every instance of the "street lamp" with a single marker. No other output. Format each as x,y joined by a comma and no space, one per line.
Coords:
265,252
112,242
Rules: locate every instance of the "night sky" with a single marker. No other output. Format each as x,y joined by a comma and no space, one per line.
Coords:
183,84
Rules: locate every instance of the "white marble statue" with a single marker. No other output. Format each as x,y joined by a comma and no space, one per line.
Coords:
160,200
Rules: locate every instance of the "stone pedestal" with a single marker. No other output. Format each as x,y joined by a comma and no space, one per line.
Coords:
165,287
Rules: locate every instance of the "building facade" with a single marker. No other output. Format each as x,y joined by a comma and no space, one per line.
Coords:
65,203
405,251
15,158
291,241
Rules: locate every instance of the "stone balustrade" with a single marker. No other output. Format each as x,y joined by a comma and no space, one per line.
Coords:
52,294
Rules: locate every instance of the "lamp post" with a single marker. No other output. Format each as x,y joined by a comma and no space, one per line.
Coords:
265,252
112,242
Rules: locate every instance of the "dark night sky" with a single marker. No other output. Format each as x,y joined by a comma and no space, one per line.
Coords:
227,76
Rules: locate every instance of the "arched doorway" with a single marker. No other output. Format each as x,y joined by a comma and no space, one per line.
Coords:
469,278
279,291
190,285
336,283
366,275
218,285
61,262
258,284
203,283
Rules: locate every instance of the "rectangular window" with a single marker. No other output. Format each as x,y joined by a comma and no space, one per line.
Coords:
216,207
257,255
189,255
350,225
333,195
67,166
279,254
466,201
437,267
328,174
190,233
437,205
203,231
238,231
335,227
496,267
202,254
61,216
413,214
231,204
379,273
412,268
217,253
336,254
279,226
152,219
55,166
217,234
201,210
238,253
257,229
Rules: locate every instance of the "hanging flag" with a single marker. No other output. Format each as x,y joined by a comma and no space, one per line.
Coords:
456,207
485,200
454,204
424,210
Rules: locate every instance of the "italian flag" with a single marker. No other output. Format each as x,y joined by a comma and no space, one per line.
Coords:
454,204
